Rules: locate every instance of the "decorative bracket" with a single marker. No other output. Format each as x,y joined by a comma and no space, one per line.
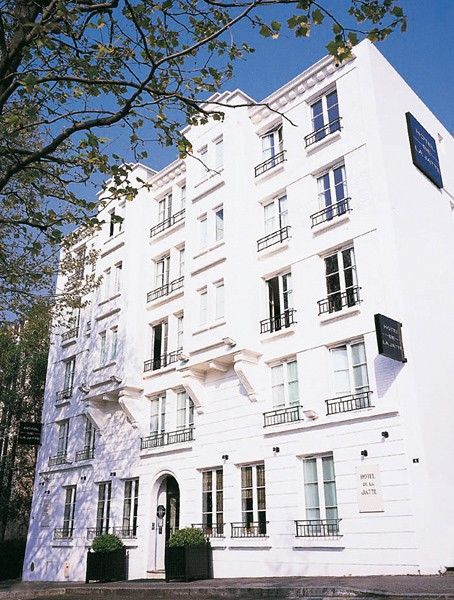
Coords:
245,364
193,383
131,402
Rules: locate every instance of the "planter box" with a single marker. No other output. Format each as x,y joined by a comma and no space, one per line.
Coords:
187,563
107,566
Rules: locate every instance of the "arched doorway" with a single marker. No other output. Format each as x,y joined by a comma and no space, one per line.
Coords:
167,516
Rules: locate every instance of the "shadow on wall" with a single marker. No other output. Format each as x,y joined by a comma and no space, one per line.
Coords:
386,372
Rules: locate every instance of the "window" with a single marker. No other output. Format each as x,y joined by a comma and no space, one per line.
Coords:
332,190
280,301
89,436
107,283
219,224
68,513
130,508
203,231
203,152
219,291
203,312
70,369
114,343
117,278
160,334
63,433
272,143
112,223
185,411
180,331
349,369
181,262
182,196
284,378
253,504
162,270
218,153
103,508
165,208
320,490
158,415
103,348
276,215
213,502
325,117
341,283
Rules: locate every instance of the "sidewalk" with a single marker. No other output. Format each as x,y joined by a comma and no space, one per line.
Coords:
393,587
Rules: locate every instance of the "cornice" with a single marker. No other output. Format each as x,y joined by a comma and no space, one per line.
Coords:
168,174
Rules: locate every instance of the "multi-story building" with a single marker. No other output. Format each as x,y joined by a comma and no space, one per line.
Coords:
228,370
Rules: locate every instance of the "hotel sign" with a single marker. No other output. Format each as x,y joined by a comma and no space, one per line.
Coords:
389,338
424,150
370,493
29,433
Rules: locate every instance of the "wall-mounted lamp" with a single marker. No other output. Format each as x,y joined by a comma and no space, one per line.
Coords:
84,388
184,357
228,341
385,435
115,379
276,449
113,474
225,457
364,453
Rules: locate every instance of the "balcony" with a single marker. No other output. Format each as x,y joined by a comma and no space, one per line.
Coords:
268,164
339,300
85,454
317,528
126,533
64,394
169,222
93,532
165,439
69,334
63,533
281,416
254,530
320,134
165,289
154,364
216,530
58,459
330,212
349,403
279,322
277,237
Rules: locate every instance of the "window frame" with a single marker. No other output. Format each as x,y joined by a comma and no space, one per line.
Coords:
63,437
353,390
284,363
213,498
185,408
258,514
279,216
69,510
130,506
158,426
319,131
276,146
103,507
320,482
333,304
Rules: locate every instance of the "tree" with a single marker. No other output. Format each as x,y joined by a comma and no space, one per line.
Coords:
70,69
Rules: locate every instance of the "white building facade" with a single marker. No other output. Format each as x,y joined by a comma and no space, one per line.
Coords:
228,370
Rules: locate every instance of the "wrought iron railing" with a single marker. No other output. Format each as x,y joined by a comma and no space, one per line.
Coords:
339,300
93,532
268,164
64,394
163,225
317,528
162,361
349,403
165,439
58,459
85,454
69,334
283,415
128,533
319,134
214,531
273,238
241,530
63,533
329,212
165,289
278,322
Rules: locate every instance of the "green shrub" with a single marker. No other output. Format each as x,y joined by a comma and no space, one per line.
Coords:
189,536
107,542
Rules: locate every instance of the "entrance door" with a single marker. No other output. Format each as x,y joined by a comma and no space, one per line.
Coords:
168,498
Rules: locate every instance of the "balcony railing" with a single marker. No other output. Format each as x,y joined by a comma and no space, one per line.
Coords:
165,439
348,403
316,136
127,533
85,454
283,415
268,164
317,528
329,212
162,361
93,532
58,459
165,289
240,530
339,300
278,322
63,533
163,225
273,238
64,394
69,334
214,531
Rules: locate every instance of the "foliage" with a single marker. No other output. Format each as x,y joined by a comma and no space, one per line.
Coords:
188,536
107,542
71,69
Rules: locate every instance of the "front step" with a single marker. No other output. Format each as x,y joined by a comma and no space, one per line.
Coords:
156,574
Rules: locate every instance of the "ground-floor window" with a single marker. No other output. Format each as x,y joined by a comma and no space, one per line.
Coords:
103,508
253,502
320,491
213,501
130,507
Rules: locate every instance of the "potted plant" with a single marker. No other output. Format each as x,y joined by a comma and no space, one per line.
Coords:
188,555
107,559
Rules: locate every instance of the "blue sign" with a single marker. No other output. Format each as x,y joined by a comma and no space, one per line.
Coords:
424,150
